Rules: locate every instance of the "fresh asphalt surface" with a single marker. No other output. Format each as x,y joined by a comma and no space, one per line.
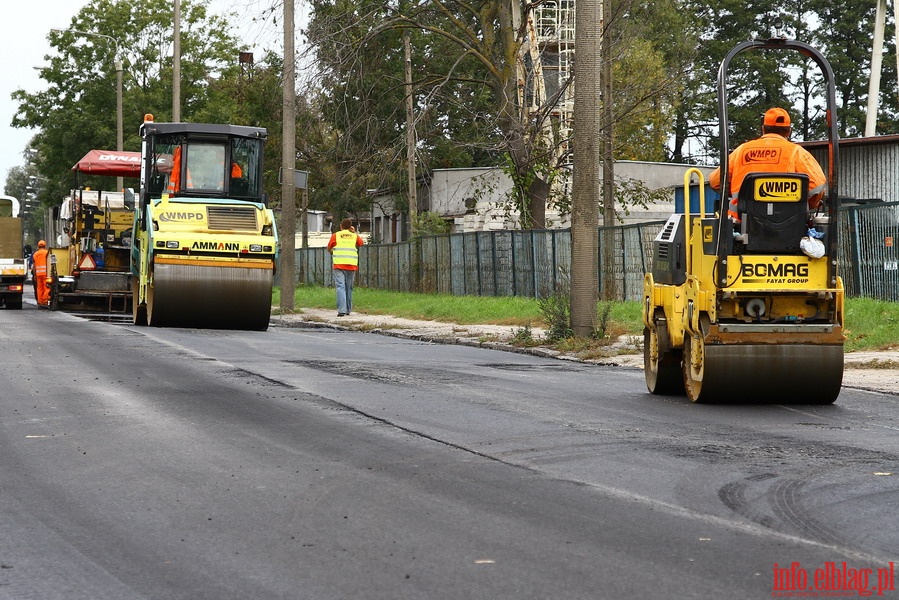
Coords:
313,463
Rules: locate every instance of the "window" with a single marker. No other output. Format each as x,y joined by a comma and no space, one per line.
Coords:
205,167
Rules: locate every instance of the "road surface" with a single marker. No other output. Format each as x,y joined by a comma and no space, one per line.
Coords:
300,463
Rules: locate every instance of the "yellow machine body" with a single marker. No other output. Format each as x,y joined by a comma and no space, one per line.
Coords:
770,330
202,270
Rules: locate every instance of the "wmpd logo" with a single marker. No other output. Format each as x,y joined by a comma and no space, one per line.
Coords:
778,189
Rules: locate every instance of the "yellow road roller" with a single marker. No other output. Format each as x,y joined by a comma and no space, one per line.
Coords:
745,313
204,244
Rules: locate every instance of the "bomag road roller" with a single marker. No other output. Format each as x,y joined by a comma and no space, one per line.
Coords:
740,313
204,244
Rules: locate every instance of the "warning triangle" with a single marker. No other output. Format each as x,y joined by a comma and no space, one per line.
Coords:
87,263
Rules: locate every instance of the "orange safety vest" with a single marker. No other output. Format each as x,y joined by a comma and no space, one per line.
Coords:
39,259
175,176
771,153
345,250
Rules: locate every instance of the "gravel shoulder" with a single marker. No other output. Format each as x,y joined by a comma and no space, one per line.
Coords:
875,371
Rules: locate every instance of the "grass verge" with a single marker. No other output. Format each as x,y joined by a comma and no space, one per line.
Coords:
871,324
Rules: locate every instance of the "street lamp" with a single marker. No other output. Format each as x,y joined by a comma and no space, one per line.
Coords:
118,68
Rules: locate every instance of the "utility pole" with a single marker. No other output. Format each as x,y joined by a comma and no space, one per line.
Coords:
586,125
176,66
410,137
877,62
119,130
609,285
288,228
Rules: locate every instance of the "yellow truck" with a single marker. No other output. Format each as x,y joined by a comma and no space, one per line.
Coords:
12,259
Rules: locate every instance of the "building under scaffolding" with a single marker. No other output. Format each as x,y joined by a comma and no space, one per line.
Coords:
545,69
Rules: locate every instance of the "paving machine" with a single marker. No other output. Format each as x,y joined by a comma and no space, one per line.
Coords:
89,237
745,315
204,244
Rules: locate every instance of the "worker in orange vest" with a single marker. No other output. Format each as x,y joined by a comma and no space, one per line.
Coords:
344,248
772,153
39,274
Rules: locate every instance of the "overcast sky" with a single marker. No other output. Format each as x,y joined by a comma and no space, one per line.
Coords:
25,45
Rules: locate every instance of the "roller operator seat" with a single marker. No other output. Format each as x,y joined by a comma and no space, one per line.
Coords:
774,212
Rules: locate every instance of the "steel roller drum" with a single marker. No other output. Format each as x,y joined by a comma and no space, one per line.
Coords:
210,297
764,373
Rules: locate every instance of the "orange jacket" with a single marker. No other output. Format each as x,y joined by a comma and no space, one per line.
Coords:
771,153
39,260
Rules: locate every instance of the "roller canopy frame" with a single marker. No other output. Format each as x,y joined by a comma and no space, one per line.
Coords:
832,196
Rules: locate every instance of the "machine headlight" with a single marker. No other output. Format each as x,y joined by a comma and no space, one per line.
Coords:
172,244
255,247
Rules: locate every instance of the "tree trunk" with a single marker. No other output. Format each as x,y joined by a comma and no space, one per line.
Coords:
538,192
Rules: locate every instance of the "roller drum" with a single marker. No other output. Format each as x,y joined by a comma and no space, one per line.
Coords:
763,373
210,297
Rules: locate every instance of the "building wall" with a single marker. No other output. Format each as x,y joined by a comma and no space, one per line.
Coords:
474,199
868,168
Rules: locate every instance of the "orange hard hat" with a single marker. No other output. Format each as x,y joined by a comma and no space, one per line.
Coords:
42,244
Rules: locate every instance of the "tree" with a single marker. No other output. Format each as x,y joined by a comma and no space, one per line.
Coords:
468,60
251,95
76,113
841,29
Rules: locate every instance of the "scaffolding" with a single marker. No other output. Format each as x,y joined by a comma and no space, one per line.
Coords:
545,69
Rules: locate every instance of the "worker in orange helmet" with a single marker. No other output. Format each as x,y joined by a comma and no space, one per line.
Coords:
773,152
39,274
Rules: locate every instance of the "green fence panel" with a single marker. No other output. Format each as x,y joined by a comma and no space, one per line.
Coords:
535,263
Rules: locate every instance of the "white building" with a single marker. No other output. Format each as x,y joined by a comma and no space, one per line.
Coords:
476,199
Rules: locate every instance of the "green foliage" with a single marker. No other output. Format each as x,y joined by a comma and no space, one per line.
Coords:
77,111
604,312
523,336
351,120
540,170
466,310
871,324
630,193
430,223
556,312
642,127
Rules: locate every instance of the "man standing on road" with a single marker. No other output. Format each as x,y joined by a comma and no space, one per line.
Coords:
774,153
39,260
344,249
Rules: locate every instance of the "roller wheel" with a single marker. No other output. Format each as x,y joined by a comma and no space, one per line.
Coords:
138,310
210,296
693,367
153,320
661,369
762,373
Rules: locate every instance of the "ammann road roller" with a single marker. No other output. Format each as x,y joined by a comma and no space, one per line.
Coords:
204,243
742,313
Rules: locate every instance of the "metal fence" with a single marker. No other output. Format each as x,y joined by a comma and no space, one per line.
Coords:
536,263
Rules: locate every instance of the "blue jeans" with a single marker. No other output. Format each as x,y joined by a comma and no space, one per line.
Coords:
343,282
